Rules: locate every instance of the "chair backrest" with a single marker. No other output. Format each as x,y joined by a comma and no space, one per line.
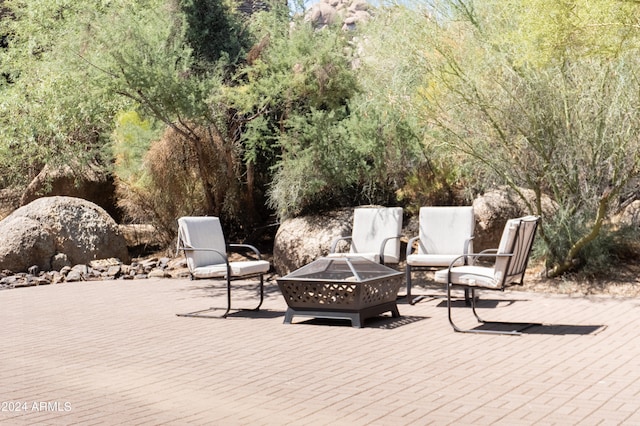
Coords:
445,230
517,240
372,225
201,232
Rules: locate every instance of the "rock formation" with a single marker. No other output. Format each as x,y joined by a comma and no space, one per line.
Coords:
88,182
494,208
303,239
36,234
349,12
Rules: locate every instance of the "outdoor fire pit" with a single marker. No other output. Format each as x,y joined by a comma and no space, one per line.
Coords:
351,288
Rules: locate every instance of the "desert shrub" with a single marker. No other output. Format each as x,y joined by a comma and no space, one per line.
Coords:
611,246
168,184
561,122
164,188
431,184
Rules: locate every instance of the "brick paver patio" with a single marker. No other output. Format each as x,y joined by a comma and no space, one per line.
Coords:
113,352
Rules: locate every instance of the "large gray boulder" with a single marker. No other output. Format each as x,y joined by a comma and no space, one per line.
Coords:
495,207
351,12
36,233
303,239
88,182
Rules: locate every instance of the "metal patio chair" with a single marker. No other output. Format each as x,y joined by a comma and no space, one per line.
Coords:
445,233
375,235
206,251
510,264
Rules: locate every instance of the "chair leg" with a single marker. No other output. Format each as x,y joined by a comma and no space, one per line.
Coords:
414,300
467,301
260,292
257,308
408,279
201,313
515,332
228,297
455,327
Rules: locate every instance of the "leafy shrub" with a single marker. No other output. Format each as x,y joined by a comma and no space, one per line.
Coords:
164,187
564,229
168,185
431,185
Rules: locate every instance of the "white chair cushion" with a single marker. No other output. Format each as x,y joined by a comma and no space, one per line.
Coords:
514,247
202,232
469,275
238,269
444,230
371,226
433,259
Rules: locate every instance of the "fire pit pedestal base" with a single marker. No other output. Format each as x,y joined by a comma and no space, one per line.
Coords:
356,317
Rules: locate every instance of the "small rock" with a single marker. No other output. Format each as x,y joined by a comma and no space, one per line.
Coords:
104,264
73,276
9,281
81,269
181,273
42,281
56,277
113,271
158,273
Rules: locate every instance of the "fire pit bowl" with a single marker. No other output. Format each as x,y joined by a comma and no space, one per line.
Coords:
351,288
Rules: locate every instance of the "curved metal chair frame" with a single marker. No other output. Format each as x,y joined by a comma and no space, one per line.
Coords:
375,236
445,233
511,261
258,267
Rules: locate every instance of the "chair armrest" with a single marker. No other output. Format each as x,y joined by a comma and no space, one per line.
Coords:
410,245
246,246
483,253
221,253
490,253
335,242
384,243
467,243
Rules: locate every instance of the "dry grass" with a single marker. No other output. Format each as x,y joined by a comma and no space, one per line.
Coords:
623,281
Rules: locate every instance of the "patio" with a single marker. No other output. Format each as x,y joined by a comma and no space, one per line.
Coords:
114,352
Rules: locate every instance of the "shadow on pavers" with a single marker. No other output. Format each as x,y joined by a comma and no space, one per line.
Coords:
261,314
565,329
380,322
551,329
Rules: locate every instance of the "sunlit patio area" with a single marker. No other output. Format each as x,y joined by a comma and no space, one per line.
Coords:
114,352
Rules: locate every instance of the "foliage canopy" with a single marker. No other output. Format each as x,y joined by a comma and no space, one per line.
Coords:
267,114
527,91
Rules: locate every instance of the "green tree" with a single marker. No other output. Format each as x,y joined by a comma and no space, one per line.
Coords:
50,109
77,64
294,93
528,92
322,110
387,110
164,62
213,32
